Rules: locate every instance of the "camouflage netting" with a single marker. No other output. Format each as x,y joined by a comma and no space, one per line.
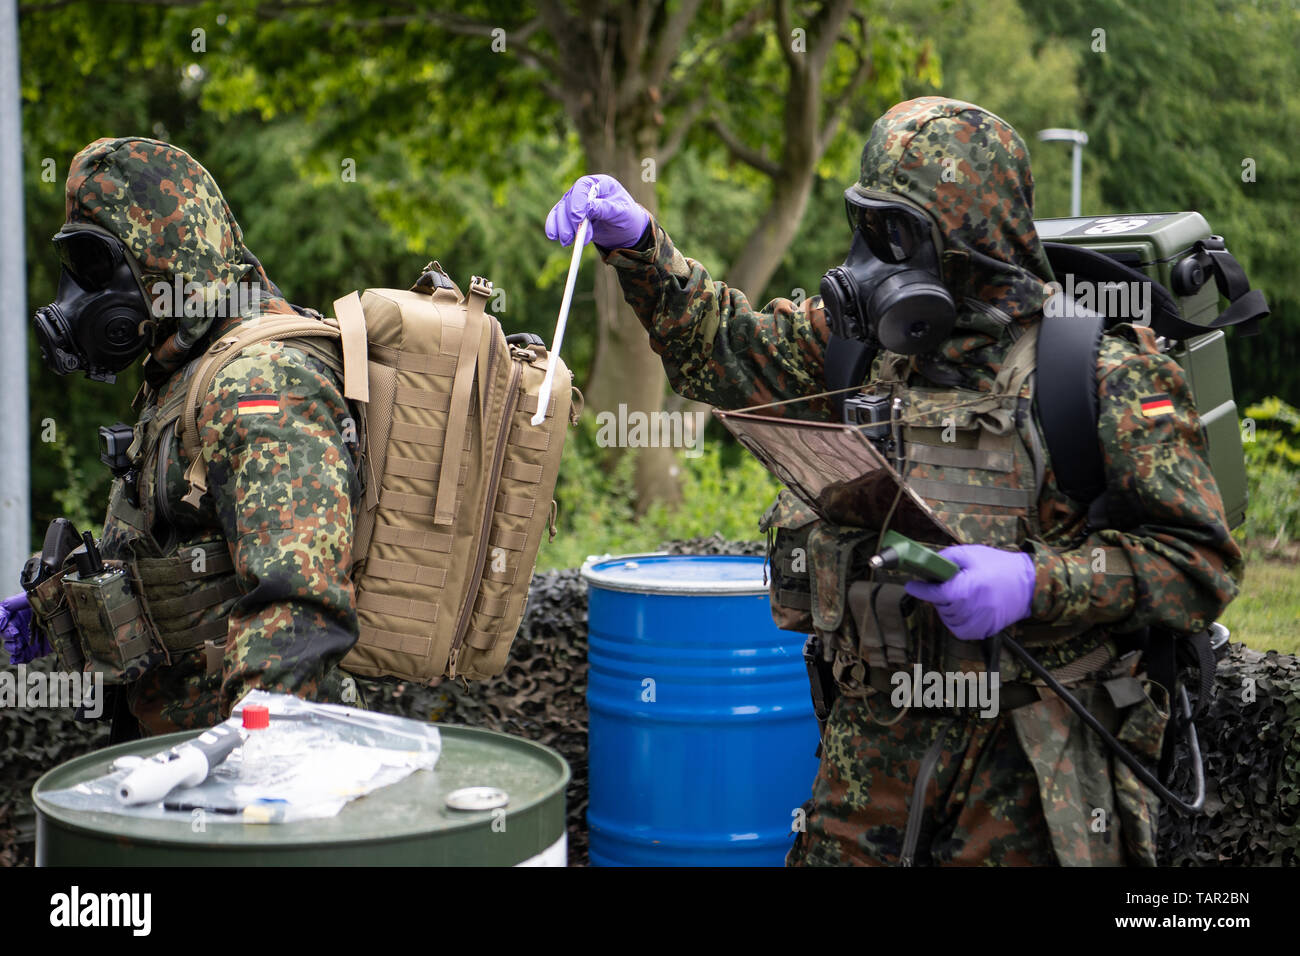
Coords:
1252,747
1251,741
32,741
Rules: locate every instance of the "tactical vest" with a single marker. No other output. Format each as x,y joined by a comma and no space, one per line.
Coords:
977,459
156,600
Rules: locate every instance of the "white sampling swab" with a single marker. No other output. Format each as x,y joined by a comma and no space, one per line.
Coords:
579,241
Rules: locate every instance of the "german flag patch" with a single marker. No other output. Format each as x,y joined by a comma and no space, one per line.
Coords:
1154,406
259,404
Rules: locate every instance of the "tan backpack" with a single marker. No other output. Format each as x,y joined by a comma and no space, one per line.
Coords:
458,482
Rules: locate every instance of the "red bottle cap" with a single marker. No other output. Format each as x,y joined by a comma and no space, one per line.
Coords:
256,717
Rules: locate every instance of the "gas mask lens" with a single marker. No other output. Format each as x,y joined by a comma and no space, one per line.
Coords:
893,233
91,259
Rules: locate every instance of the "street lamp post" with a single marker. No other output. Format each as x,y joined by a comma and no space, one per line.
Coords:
15,499
1080,139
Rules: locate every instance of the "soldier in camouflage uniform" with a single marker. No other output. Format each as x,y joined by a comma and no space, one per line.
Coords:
248,588
1031,785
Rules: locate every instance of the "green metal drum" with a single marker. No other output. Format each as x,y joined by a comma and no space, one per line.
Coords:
407,824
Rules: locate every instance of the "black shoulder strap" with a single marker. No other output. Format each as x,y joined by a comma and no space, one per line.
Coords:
1247,306
847,363
1066,397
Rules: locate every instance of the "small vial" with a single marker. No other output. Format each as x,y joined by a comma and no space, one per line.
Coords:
256,748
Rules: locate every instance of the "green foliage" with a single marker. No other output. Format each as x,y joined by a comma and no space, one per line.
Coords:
1189,107
723,491
1272,443
898,53
960,50
1034,89
1272,447
74,499
1273,515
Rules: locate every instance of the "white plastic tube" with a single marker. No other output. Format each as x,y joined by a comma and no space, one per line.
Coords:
579,243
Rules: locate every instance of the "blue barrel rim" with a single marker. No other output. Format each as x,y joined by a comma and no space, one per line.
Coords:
597,578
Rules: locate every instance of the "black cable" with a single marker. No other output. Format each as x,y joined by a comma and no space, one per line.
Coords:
1120,751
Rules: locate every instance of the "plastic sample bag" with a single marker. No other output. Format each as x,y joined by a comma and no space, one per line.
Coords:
311,760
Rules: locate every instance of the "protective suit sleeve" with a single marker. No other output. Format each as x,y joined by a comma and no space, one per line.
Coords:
1169,559
273,434
715,347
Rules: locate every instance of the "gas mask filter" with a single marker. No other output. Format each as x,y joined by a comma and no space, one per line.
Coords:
889,290
100,320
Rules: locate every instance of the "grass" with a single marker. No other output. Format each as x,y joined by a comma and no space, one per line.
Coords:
1266,616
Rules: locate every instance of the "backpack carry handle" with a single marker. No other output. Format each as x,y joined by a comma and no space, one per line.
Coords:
433,278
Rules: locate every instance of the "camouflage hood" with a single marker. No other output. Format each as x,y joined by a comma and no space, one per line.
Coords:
970,171
169,212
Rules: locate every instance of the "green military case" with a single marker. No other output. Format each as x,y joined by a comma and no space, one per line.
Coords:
1153,244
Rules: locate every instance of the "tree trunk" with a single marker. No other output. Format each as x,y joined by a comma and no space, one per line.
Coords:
624,369
803,144
768,242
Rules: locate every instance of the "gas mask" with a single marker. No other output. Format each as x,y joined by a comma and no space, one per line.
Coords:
890,289
100,321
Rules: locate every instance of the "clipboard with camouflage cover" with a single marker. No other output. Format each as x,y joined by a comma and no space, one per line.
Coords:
837,471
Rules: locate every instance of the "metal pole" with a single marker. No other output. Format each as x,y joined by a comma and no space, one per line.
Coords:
1076,182
1080,139
15,491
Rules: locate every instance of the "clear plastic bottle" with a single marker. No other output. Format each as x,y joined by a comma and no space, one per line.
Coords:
256,751
274,752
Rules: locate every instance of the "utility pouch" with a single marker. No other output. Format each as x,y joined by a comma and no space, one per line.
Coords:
787,524
115,634
54,617
836,556
880,616
864,618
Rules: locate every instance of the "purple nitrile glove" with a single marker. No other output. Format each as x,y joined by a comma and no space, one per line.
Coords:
993,590
617,222
22,641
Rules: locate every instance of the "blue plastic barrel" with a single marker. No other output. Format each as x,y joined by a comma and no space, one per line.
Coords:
701,735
